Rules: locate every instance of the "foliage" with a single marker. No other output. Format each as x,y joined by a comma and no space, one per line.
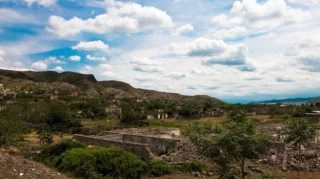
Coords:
49,155
228,145
191,166
111,161
159,167
11,132
299,131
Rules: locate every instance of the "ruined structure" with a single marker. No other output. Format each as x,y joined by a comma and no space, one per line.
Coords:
142,144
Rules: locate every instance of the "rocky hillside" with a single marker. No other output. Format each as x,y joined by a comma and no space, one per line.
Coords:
76,84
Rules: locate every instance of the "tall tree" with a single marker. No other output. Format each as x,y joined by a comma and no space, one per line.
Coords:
228,145
301,132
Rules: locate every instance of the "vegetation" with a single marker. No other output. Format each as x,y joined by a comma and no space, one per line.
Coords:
299,131
229,145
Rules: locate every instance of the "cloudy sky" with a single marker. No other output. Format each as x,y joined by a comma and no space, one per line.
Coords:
238,51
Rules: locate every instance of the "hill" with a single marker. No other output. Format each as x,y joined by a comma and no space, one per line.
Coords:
77,84
289,100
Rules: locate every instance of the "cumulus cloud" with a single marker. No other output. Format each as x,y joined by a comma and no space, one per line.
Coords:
88,67
306,52
284,79
93,58
58,68
141,77
183,29
269,14
108,74
45,3
144,61
105,67
75,58
233,32
120,17
39,65
225,21
197,71
2,53
54,60
148,69
91,46
214,51
17,63
304,2
177,75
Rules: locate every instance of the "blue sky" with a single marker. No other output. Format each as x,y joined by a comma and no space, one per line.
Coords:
238,51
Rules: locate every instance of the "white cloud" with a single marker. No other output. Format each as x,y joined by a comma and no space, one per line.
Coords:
89,57
141,77
213,51
304,2
45,3
224,21
144,61
284,79
306,52
2,53
269,14
120,17
91,46
108,74
177,75
1,59
197,71
39,65
88,67
58,68
233,32
75,58
17,63
11,16
148,69
183,29
51,59
105,67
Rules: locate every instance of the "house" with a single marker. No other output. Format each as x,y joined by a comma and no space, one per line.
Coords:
178,108
260,110
216,113
115,110
3,108
283,109
160,114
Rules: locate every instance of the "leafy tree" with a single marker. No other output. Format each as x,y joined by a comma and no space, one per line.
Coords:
230,145
301,132
11,132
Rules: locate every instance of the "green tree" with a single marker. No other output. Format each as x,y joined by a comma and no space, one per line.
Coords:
230,145
11,132
301,132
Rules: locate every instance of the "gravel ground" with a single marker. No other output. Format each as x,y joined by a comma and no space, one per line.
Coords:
15,167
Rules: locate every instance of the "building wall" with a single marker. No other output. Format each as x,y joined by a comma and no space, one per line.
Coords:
139,149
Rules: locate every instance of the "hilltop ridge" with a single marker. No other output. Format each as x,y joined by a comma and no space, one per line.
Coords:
77,84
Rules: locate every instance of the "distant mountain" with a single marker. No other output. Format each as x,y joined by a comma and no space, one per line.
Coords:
77,84
289,100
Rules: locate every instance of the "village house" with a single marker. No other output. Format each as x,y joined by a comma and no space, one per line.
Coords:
160,114
215,113
178,107
3,108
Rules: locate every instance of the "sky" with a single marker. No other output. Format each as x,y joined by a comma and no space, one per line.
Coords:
238,51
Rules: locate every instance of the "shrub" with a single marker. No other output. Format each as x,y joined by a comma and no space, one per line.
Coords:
50,154
158,168
111,161
191,166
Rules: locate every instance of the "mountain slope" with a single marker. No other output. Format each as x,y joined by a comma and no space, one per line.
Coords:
71,83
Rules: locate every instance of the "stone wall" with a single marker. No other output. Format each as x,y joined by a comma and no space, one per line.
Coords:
156,144
139,149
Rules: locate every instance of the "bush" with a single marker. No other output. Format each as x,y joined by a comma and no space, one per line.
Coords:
111,161
158,168
191,166
269,176
50,154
